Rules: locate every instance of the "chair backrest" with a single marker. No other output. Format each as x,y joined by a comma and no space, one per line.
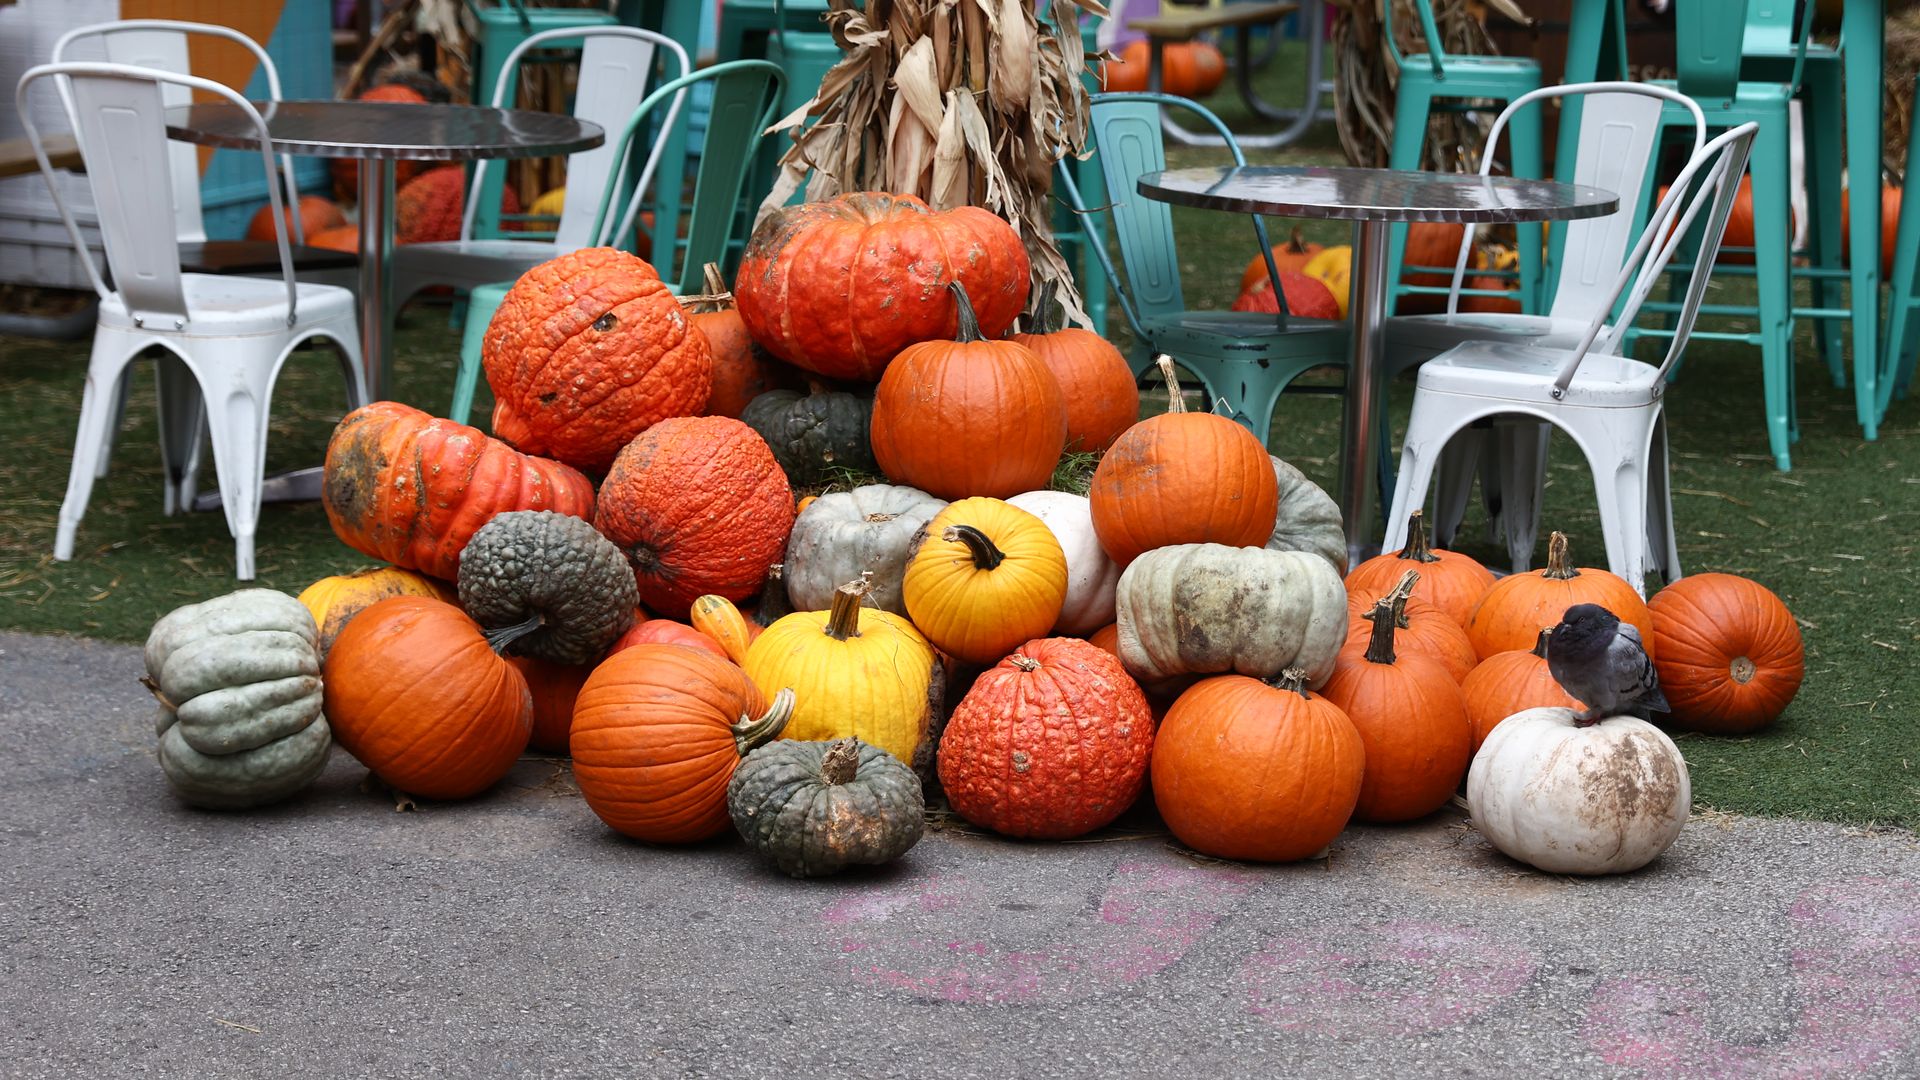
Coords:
1436,55
1708,40
746,101
161,45
1772,31
616,63
121,128
1619,128
1707,183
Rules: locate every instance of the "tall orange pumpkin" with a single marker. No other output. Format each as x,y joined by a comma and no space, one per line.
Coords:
417,693
741,371
1450,581
968,416
1182,478
412,489
1518,607
1729,652
657,733
840,287
1096,382
1511,682
587,351
1421,628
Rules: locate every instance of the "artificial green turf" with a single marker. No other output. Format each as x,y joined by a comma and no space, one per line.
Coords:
1835,538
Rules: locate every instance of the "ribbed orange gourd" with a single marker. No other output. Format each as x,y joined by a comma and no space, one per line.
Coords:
1096,382
1182,478
967,416
1450,581
1050,743
412,489
1511,682
1730,656
587,351
657,733
839,287
1422,629
415,691
1411,716
700,506
1246,770
1518,607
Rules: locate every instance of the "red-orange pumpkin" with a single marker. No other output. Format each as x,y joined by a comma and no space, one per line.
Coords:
1050,743
700,506
316,215
428,208
1308,298
1290,256
1510,682
587,351
968,416
657,733
1096,382
1187,68
1518,607
416,693
1430,243
339,238
554,687
741,370
665,632
1452,582
1499,305
840,287
346,171
1889,228
411,489
1422,628
1729,653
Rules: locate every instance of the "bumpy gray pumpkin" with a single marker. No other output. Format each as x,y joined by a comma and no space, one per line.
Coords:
1307,518
816,808
547,585
812,435
1204,608
842,535
238,680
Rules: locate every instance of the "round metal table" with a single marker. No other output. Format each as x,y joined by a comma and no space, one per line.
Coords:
1372,199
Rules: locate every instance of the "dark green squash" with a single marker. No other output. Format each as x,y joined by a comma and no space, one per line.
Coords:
816,808
547,585
814,434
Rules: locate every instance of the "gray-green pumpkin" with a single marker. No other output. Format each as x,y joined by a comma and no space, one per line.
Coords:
238,680
814,435
843,534
547,585
1306,518
816,808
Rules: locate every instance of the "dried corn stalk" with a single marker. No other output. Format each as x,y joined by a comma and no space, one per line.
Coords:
1365,78
961,102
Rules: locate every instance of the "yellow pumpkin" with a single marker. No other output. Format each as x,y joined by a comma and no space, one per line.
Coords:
550,203
855,672
719,619
1333,267
986,578
334,600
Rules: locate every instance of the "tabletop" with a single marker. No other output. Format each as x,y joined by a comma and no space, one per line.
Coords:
387,129
1376,194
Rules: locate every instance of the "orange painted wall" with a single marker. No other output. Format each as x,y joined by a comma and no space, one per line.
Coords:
221,61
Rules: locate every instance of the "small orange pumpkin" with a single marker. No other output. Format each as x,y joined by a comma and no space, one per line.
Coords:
1511,682
1452,582
1512,613
1291,256
741,371
1421,628
1730,656
1096,382
554,688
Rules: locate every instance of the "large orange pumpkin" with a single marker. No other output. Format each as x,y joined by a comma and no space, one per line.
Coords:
346,171
1192,69
1291,256
339,238
968,416
316,215
1308,298
840,287
1244,770
554,688
1182,478
587,351
1511,682
1432,243
412,489
700,506
416,693
334,601
428,208
741,370
1096,382
657,733
1410,714
1512,613
1452,582
1422,628
1729,652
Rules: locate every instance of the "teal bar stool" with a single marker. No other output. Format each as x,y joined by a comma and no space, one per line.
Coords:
1436,81
1901,333
746,25
1078,234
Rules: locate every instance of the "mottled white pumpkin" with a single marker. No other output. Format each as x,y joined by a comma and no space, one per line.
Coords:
1092,577
1202,608
1307,518
238,678
1603,799
843,534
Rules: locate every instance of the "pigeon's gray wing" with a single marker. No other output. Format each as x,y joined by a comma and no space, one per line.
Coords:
1631,672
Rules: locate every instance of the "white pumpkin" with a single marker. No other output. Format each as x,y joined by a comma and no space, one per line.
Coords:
1602,799
1092,577
1206,608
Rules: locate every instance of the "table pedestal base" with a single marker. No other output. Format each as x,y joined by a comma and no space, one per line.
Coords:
1368,306
294,485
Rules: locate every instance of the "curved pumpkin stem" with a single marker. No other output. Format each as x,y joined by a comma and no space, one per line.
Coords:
1540,643
1024,663
843,621
500,637
985,555
717,297
1389,612
750,732
154,689
1050,317
1175,403
1294,679
1418,548
1559,563
969,322
841,763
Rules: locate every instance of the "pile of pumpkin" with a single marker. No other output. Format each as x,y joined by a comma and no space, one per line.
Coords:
710,649
1316,278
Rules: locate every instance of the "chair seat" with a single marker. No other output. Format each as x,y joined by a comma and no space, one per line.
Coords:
1236,333
258,257
232,306
1525,374
1435,334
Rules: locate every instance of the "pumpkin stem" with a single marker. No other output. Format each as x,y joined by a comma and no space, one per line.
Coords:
1559,564
773,602
1049,317
154,689
969,322
1024,663
843,621
1175,403
841,762
1540,643
1418,548
1294,679
750,732
985,555
1389,612
500,637
1296,245
717,297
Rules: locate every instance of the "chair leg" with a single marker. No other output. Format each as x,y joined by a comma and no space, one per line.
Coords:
1826,123
1772,243
1453,483
182,417
1662,545
1429,431
1410,111
1521,454
481,304
106,371
121,392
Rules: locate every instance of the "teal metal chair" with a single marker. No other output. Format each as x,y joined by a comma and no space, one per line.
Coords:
1901,337
1437,81
1081,239
746,96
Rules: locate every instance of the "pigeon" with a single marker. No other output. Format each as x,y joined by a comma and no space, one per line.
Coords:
1600,660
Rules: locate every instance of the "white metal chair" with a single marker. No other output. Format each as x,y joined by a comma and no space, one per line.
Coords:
616,64
1611,405
1619,128
224,337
